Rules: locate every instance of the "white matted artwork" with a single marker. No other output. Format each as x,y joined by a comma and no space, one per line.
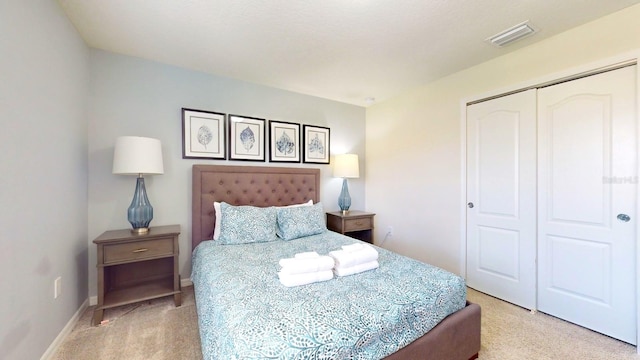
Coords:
246,138
316,144
284,141
203,134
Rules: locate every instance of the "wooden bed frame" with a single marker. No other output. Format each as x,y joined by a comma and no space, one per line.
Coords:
457,337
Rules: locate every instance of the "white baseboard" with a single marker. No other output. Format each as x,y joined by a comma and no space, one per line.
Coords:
91,301
51,350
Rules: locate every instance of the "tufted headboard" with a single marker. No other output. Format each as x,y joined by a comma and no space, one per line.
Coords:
246,185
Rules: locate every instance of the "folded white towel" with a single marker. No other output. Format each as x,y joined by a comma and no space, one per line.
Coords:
352,247
346,258
290,280
306,265
344,271
306,255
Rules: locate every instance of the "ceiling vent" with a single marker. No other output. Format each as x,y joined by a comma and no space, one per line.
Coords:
512,34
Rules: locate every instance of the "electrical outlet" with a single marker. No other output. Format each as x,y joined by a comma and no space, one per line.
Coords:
57,287
390,230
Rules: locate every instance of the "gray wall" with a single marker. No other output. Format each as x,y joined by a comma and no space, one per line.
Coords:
132,96
43,186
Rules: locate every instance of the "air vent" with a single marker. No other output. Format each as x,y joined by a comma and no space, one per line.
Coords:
512,34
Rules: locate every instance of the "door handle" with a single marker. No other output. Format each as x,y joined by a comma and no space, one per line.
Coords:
470,205
624,217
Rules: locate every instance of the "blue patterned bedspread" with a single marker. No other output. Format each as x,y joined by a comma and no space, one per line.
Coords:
244,312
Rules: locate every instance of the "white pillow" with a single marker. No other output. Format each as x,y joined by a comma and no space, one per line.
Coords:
218,212
308,203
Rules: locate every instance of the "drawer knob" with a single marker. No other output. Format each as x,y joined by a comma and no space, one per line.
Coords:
140,250
358,222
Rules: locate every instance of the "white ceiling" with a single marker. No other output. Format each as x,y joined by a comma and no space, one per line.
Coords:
344,50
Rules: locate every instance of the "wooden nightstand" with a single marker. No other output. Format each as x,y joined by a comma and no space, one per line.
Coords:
356,224
134,268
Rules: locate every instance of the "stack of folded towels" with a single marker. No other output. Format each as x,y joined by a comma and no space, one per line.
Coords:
353,259
305,268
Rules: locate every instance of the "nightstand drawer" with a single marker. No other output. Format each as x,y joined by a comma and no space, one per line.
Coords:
358,224
138,250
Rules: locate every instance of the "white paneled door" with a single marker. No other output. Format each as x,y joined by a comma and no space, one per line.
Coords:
552,179
587,159
501,195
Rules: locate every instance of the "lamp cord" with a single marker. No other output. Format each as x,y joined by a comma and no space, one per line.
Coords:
385,239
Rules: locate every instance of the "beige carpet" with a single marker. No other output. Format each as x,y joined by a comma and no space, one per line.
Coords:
511,332
158,330
153,329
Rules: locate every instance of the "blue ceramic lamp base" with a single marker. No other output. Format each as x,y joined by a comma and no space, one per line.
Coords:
140,212
344,201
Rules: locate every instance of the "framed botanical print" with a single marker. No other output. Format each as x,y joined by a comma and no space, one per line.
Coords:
246,138
203,134
316,144
284,141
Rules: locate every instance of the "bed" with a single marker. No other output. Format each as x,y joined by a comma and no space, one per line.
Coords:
446,329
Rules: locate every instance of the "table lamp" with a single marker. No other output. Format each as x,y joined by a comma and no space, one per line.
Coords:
138,156
346,166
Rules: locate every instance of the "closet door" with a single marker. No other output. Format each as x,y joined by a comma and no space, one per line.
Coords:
501,196
587,156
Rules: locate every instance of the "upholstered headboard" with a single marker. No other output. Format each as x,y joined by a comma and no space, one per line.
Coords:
246,185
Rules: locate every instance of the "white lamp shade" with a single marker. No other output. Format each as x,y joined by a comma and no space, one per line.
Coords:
135,155
346,166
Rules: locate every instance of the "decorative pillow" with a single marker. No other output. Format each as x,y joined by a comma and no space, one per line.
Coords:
300,221
218,214
247,224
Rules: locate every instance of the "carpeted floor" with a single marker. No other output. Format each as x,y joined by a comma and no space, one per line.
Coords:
158,330
511,332
154,330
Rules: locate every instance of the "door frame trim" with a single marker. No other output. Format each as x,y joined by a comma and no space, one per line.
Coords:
576,72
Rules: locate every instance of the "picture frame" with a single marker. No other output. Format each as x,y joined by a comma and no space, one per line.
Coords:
317,141
284,141
203,134
246,138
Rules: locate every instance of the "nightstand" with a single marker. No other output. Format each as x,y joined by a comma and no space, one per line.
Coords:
137,267
356,224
